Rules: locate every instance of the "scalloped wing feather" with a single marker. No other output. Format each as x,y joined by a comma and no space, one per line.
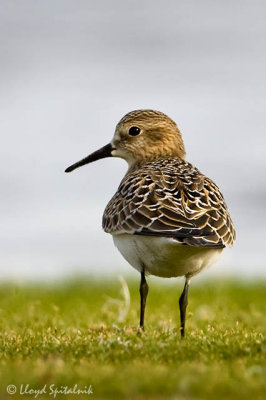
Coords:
170,198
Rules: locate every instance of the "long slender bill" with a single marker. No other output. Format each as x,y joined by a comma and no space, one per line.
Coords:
104,152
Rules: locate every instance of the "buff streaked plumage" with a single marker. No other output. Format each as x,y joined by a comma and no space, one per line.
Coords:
171,198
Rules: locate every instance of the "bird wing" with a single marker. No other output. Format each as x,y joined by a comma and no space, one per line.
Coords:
170,198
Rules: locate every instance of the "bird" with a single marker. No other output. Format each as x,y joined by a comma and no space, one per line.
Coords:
166,218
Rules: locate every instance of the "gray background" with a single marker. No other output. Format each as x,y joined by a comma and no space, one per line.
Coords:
71,69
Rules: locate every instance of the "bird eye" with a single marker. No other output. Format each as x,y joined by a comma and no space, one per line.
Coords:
134,131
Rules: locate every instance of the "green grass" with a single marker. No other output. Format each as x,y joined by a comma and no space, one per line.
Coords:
80,333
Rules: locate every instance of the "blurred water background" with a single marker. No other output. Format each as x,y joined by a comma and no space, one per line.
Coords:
71,69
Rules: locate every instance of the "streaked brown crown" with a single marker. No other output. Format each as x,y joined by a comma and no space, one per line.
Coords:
159,137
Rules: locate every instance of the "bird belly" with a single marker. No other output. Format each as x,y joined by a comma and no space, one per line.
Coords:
164,257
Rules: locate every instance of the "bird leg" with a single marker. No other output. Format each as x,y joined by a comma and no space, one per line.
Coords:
183,306
143,290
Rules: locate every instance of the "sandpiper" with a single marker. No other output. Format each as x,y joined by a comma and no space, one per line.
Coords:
166,218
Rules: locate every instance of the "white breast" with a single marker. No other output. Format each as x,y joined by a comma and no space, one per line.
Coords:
164,257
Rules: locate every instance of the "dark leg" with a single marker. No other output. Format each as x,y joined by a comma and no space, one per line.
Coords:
143,290
183,306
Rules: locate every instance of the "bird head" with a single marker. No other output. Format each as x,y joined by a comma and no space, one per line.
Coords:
141,136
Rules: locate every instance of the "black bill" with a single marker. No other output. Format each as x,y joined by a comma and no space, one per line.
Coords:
104,152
